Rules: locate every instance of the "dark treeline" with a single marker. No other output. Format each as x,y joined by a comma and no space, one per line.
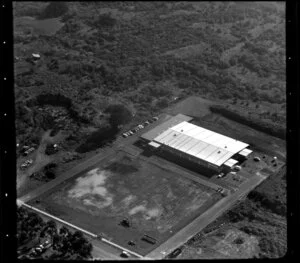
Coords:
267,127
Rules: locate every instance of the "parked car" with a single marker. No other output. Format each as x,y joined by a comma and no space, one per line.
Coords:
46,244
124,135
131,132
140,126
124,254
155,118
221,175
26,164
257,159
237,168
223,192
150,121
146,123
29,151
175,253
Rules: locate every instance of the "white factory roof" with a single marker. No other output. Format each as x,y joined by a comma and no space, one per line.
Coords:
201,143
245,152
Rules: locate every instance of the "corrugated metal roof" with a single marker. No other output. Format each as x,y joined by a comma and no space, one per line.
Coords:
201,143
151,134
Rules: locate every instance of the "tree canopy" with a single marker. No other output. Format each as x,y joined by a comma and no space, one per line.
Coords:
54,9
119,115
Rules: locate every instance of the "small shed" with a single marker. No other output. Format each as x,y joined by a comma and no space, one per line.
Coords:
229,164
245,152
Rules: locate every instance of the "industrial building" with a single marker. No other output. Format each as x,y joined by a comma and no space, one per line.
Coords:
197,145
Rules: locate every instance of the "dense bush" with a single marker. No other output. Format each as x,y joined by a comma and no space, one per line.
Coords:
272,204
98,139
54,9
105,20
119,115
267,127
28,225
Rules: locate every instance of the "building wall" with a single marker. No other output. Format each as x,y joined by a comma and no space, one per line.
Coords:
187,161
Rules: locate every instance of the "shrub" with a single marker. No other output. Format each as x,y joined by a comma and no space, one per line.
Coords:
105,20
267,127
54,9
98,139
119,115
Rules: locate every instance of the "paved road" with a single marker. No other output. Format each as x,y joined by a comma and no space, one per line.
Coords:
77,169
118,144
203,220
100,249
104,251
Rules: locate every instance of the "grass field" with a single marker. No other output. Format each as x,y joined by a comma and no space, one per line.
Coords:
155,201
39,27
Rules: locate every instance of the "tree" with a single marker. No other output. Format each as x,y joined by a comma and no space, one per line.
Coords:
63,231
50,175
80,245
119,115
54,9
162,103
105,20
50,228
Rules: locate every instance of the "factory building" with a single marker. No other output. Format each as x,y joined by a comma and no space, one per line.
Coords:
183,141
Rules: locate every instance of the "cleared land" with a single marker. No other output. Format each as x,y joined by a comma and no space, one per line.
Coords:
155,201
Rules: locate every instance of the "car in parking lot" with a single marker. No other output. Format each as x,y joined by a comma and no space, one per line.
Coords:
125,135
237,168
175,253
155,118
26,164
146,123
124,254
220,175
219,189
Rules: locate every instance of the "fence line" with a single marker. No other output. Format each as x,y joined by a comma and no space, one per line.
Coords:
60,220
80,229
